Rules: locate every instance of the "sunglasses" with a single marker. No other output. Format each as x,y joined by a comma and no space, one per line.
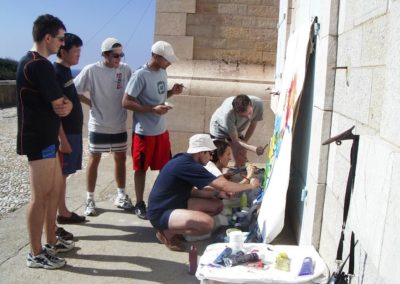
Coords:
60,38
117,55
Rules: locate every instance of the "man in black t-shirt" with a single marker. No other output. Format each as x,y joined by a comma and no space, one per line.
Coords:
71,127
40,104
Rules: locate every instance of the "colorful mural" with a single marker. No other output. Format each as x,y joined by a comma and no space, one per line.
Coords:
277,169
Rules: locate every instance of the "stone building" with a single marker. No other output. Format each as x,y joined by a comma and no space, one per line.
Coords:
227,47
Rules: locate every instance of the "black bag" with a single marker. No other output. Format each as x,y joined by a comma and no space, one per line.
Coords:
339,276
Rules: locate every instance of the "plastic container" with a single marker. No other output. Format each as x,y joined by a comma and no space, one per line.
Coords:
236,241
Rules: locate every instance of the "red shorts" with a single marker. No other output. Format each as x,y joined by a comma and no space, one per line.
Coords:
150,151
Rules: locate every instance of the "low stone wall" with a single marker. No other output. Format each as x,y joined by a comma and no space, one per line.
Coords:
8,93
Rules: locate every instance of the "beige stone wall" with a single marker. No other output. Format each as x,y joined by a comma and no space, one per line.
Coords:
209,38
362,38
235,30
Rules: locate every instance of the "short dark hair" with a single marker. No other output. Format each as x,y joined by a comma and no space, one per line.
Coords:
240,103
70,40
46,24
221,148
115,45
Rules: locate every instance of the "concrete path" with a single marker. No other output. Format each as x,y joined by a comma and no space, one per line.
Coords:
114,247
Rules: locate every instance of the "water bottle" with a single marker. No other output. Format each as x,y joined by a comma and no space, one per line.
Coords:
192,260
243,200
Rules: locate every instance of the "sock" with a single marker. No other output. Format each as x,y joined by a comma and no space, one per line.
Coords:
90,195
121,192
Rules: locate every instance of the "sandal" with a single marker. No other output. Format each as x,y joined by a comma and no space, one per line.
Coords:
173,244
73,219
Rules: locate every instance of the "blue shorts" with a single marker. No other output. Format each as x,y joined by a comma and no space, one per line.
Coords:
49,152
72,162
160,221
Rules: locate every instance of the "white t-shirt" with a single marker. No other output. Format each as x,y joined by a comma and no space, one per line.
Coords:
212,168
106,87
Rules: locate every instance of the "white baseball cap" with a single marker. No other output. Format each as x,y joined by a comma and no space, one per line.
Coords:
199,143
108,43
165,50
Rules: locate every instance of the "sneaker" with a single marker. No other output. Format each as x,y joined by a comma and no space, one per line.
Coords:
123,202
60,246
90,208
63,234
45,260
140,210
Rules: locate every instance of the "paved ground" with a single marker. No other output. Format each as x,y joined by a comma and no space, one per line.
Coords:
114,247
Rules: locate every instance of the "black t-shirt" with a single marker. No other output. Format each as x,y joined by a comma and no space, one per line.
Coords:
72,123
37,87
174,184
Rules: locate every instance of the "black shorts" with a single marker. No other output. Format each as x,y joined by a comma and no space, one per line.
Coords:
49,152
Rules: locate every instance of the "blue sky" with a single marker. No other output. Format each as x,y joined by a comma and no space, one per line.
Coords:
130,21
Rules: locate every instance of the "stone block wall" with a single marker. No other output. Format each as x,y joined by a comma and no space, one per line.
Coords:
234,31
362,38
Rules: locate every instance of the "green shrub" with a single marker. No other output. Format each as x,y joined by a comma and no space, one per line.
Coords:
8,69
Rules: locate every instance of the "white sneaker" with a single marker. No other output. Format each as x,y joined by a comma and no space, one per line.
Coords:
90,208
123,202
45,259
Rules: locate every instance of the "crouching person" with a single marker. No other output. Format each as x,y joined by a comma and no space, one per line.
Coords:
174,208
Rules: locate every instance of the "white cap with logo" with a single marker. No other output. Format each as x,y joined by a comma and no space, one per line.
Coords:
165,50
199,143
108,43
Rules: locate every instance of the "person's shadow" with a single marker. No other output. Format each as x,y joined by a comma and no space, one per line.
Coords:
161,271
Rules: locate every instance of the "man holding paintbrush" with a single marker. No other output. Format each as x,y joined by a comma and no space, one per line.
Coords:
234,116
146,95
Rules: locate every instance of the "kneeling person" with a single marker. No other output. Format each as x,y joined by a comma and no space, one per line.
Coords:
174,208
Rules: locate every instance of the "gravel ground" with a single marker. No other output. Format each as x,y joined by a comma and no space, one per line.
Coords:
14,175
14,172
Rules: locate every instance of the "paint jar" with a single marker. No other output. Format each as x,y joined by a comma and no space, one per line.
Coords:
236,241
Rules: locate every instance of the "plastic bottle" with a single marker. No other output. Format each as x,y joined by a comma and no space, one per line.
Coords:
192,260
243,200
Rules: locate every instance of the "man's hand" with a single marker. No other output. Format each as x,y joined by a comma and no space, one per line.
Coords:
65,147
161,109
255,183
177,89
62,107
260,150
